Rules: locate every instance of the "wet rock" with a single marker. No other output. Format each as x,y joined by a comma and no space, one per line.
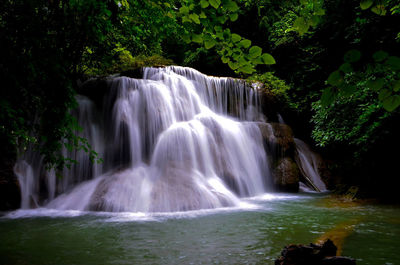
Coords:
284,136
313,254
278,138
286,177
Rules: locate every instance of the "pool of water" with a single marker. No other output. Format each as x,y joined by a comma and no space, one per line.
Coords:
253,233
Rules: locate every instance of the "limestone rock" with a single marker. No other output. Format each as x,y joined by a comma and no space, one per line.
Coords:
286,177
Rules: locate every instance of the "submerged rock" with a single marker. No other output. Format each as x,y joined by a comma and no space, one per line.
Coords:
313,254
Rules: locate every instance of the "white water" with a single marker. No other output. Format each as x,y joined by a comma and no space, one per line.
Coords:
176,140
308,163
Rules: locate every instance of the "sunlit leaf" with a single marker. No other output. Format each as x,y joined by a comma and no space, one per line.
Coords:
268,59
247,69
215,3
184,10
255,51
379,10
195,18
233,17
204,3
231,6
233,65
301,26
245,43
365,4
236,37
208,44
197,38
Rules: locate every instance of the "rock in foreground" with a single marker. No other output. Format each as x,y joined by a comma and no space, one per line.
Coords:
312,254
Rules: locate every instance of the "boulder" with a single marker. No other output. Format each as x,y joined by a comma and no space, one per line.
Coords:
313,254
286,175
278,138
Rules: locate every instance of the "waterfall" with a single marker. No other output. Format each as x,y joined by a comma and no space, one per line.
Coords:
308,163
175,140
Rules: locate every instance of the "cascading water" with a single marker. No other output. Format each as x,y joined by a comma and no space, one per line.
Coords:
168,145
308,163
175,140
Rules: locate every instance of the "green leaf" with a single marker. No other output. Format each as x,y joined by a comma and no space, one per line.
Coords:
236,37
347,90
314,21
247,69
384,93
301,25
365,4
225,59
268,59
233,65
328,96
208,44
352,56
215,3
377,84
391,103
393,62
379,56
241,60
204,4
227,34
184,10
245,43
233,17
231,6
202,15
197,38
379,10
218,28
186,38
320,12
335,78
255,51
194,18
396,85
346,68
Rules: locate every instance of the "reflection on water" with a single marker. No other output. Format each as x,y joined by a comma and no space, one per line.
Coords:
252,233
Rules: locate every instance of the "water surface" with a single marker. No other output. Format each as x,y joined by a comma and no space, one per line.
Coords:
253,233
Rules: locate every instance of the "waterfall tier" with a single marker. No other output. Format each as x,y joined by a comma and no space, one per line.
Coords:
175,140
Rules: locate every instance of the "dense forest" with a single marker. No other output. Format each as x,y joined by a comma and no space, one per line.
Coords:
333,65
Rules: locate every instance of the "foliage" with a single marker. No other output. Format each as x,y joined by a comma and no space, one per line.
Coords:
276,86
381,76
41,50
204,24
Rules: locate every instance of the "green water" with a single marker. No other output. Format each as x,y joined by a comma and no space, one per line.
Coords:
252,234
